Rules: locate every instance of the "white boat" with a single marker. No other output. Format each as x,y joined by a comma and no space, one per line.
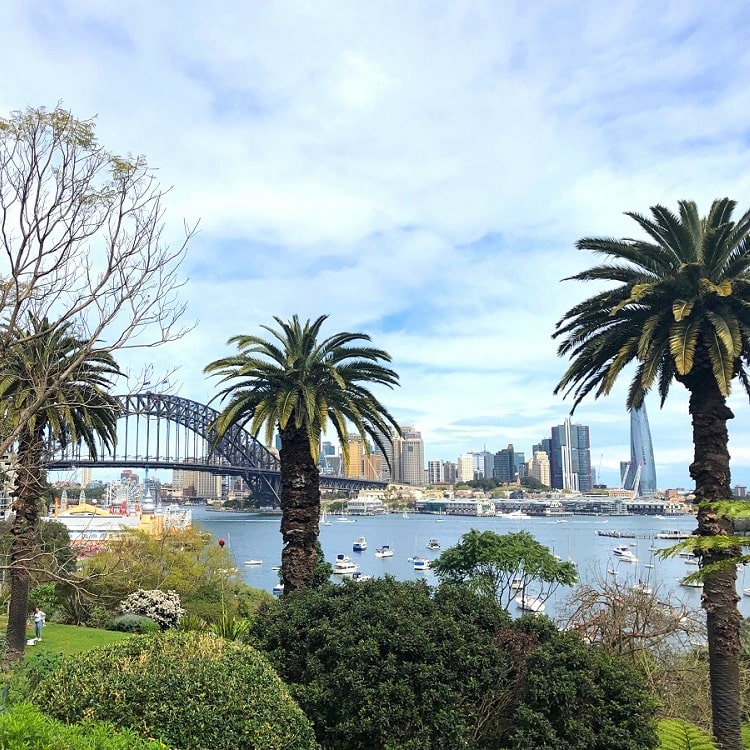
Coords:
253,562
344,566
324,520
384,551
360,544
516,584
746,592
690,584
420,563
278,589
624,553
529,603
433,544
405,515
345,519
642,588
360,577
515,515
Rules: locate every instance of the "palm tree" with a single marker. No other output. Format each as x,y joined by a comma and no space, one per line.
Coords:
45,367
679,307
296,386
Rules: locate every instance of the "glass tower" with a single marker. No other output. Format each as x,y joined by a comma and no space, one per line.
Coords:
641,474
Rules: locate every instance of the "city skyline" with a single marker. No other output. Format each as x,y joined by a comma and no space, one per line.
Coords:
419,172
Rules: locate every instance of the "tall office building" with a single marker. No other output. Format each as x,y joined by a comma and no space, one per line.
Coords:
86,476
539,468
505,465
356,449
465,468
410,450
570,457
435,472
642,464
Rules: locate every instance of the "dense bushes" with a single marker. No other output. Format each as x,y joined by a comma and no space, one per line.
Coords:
382,664
191,690
24,727
385,665
162,607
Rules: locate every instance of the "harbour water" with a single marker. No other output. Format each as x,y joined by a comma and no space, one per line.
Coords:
575,538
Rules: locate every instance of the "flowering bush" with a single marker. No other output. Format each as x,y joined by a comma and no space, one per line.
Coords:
163,607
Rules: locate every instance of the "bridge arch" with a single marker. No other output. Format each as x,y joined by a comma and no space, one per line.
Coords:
236,453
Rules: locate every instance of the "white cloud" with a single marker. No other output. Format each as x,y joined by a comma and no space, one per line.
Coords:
418,171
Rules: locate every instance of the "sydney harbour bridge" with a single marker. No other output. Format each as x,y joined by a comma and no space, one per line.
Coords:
157,431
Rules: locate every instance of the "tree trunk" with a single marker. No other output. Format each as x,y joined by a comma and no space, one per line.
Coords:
23,533
710,470
300,510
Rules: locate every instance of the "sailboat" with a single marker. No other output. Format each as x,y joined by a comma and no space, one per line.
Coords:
324,519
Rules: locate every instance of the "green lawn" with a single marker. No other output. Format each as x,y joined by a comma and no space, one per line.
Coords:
70,639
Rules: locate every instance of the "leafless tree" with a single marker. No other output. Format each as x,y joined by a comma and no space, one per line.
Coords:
81,241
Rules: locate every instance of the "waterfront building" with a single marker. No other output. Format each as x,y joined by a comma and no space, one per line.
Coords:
570,457
366,505
641,472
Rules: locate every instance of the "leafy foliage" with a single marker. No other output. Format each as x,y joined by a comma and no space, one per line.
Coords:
492,562
130,623
676,734
382,664
192,690
581,697
162,607
188,562
24,727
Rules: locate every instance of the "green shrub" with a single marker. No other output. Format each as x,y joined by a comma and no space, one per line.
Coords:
383,664
133,624
28,672
191,690
25,728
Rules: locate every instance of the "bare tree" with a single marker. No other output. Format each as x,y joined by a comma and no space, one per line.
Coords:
81,242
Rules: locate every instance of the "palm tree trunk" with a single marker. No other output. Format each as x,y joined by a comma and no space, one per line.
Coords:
300,510
710,470
23,533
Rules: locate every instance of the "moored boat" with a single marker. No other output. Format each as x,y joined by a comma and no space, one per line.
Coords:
420,563
529,603
344,566
433,544
384,551
360,544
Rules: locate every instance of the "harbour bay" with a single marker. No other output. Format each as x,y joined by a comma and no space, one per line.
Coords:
256,537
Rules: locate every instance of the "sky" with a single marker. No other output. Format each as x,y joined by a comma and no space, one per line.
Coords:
419,172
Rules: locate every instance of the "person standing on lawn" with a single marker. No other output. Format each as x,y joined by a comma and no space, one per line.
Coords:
39,619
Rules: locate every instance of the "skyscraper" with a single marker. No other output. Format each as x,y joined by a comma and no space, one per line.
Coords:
570,457
505,465
641,455
407,460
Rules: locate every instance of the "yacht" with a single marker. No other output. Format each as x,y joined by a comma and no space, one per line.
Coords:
344,566
624,553
433,544
384,551
529,603
360,544
420,563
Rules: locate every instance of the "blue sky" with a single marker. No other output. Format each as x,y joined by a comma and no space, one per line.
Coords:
419,171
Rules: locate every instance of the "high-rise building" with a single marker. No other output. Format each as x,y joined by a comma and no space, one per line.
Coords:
200,484
570,457
410,456
539,468
86,476
642,469
465,468
435,472
505,465
356,449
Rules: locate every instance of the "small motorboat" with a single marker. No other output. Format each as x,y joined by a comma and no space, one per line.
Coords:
384,551
253,562
529,603
360,544
278,589
433,544
344,566
420,563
